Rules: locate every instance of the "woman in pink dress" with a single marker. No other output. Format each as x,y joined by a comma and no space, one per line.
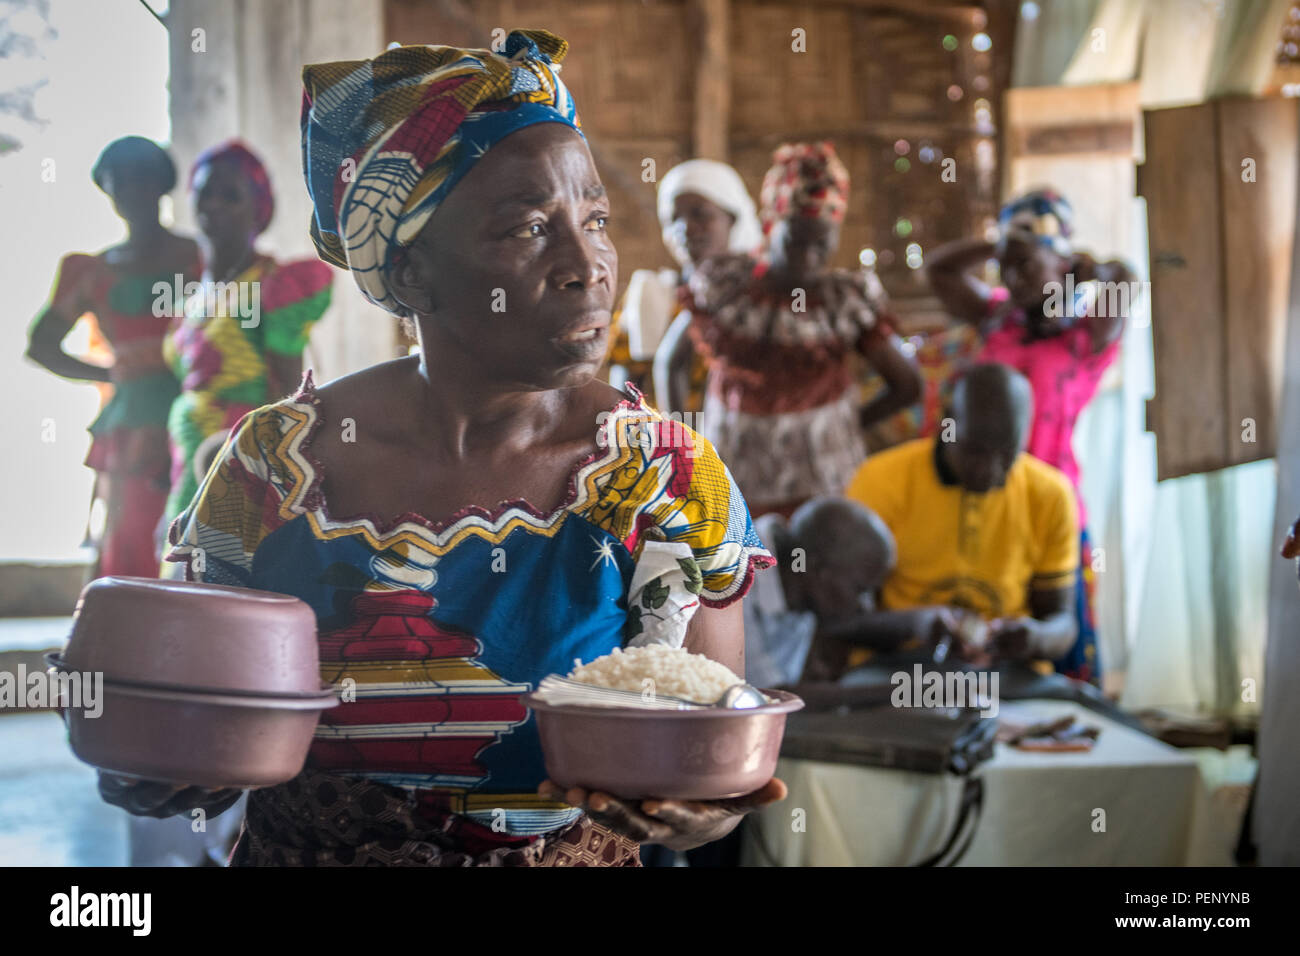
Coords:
1058,319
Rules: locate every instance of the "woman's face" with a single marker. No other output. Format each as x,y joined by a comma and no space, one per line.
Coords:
134,191
801,246
702,227
1028,268
224,206
516,265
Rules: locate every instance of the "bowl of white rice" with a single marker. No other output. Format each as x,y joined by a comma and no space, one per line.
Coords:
707,753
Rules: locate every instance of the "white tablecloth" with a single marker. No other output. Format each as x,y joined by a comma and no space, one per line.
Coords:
1039,809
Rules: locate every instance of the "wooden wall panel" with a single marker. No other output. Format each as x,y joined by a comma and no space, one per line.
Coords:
874,72
1188,413
1258,230
1084,142
774,89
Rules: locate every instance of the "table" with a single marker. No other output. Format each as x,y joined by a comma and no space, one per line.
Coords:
1039,809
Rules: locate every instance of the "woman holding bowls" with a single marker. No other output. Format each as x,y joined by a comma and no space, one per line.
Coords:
469,519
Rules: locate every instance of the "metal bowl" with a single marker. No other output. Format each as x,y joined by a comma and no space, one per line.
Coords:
200,739
712,754
195,636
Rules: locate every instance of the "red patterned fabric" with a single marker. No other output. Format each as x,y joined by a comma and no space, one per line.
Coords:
806,179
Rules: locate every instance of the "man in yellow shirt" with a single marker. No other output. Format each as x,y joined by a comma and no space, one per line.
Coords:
984,531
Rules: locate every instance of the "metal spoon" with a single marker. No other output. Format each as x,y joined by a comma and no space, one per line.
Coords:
741,697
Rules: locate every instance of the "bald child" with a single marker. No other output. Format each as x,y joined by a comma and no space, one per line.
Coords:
831,557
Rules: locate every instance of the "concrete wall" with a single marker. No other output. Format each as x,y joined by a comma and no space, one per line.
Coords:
241,76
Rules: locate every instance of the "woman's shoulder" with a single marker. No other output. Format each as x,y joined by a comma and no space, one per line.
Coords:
294,281
846,291
364,396
78,266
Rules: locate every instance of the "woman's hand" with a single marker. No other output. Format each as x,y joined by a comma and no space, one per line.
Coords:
152,798
675,824
1291,547
1084,267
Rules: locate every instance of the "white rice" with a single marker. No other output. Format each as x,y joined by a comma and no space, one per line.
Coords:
670,671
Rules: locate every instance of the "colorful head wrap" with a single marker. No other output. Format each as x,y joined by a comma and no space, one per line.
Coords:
806,179
718,183
234,151
385,140
1044,215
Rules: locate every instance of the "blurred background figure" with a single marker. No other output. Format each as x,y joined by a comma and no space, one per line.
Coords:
987,536
704,211
779,335
228,362
117,286
832,556
1055,322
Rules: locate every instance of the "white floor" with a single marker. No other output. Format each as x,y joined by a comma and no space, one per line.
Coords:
34,633
50,811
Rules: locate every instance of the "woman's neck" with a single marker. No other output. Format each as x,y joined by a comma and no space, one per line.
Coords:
465,408
223,261
146,236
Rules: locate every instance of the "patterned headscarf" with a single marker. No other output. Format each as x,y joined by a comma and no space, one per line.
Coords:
385,140
1044,215
806,179
234,151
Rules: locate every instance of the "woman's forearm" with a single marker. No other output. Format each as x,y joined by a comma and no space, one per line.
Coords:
948,270
672,366
881,630
61,363
903,384
1055,635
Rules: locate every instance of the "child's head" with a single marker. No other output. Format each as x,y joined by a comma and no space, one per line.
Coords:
848,551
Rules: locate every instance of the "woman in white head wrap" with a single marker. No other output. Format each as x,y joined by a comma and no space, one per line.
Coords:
705,211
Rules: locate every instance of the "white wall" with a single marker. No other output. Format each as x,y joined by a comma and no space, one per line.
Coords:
247,83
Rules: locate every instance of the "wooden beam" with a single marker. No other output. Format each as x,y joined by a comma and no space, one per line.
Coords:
712,125
883,131
1065,139
929,10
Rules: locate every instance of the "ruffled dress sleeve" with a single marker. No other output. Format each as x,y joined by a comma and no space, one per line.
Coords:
237,505
294,297
688,530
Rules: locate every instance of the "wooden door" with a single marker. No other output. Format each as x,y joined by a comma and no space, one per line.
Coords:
1219,181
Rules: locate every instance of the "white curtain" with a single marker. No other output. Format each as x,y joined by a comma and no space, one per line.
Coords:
1197,552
